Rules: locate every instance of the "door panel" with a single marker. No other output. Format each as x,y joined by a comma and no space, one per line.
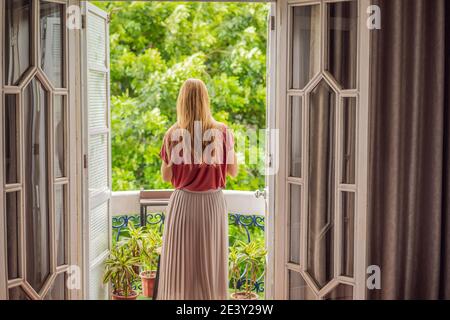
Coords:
34,159
19,33
322,108
321,186
305,47
341,42
37,200
12,205
11,139
97,150
295,205
52,40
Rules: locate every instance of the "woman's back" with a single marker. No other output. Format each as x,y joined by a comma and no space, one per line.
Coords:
198,172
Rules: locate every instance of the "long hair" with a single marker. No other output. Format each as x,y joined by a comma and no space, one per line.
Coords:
193,114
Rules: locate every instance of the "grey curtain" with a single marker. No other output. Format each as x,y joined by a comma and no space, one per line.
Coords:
409,186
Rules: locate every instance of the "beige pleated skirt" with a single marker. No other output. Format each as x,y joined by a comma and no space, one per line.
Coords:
194,257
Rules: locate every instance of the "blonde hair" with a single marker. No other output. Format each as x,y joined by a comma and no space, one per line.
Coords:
193,106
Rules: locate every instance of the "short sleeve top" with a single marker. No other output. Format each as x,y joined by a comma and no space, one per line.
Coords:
202,177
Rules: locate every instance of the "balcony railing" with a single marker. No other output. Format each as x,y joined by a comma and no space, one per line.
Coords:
246,216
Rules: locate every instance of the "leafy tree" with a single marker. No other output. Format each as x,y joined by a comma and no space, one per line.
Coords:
155,46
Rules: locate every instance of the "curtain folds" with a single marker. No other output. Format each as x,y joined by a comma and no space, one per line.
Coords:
409,179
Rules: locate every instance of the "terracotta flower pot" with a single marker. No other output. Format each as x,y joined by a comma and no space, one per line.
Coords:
119,296
244,296
148,283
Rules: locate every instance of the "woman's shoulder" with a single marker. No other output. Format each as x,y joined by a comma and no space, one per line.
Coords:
221,126
171,129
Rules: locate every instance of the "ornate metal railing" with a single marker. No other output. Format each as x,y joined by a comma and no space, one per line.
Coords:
249,226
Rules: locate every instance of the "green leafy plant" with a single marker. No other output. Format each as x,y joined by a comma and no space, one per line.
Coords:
234,269
246,264
119,270
149,254
135,240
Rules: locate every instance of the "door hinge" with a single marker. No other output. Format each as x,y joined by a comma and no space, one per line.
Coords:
272,23
85,161
83,21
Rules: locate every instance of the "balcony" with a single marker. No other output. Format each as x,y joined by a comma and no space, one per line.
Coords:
246,216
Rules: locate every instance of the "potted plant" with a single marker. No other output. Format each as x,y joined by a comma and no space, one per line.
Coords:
249,257
149,259
120,273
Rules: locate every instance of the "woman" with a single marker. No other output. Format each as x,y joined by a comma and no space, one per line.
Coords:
197,156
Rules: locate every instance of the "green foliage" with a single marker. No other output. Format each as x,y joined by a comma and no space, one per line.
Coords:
119,270
155,46
246,264
137,247
237,236
135,241
150,250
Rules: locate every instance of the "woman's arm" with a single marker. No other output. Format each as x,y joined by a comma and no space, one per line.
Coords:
166,166
166,172
232,168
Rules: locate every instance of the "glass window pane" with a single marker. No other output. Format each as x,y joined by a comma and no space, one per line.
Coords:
60,216
294,223
17,39
59,133
11,125
342,22
341,292
296,137
52,42
298,289
12,205
36,187
305,57
348,232
349,141
17,293
58,290
321,184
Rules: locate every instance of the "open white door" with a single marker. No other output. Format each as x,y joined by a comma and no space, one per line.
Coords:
322,114
97,150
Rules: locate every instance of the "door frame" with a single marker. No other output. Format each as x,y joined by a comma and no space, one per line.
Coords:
75,167
281,243
3,248
272,145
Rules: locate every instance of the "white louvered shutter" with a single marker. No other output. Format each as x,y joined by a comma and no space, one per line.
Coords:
97,222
